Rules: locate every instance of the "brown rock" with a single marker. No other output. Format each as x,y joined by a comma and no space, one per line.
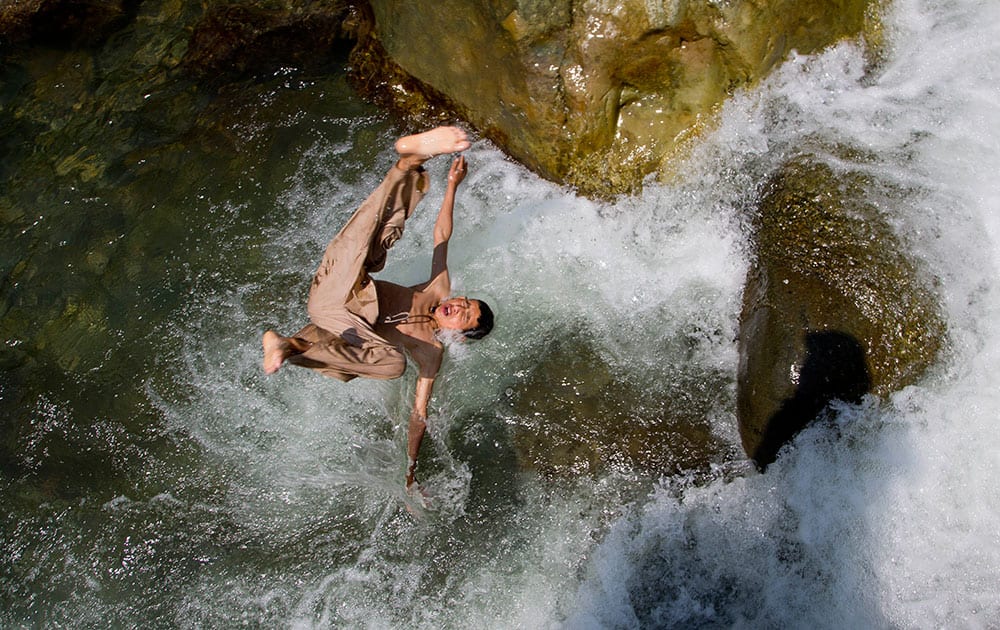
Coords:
833,307
599,94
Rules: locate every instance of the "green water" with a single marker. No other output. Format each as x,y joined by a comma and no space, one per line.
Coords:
152,227
128,192
150,476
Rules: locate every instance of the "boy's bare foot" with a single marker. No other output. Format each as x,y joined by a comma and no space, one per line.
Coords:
434,142
275,351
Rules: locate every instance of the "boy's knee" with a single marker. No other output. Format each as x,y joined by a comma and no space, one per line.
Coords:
384,363
395,365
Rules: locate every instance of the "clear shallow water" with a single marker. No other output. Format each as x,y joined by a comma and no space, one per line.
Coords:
155,477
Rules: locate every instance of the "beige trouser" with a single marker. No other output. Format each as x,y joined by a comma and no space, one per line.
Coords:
343,305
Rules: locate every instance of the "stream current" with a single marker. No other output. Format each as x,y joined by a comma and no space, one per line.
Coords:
153,477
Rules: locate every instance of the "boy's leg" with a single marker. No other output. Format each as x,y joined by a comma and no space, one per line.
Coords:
333,356
356,351
402,202
343,272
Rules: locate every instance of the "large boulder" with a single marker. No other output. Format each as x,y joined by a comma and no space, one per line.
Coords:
597,94
833,307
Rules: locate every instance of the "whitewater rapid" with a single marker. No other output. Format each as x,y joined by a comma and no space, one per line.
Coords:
891,519
886,517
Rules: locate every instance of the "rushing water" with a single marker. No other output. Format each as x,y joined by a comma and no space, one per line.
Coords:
153,477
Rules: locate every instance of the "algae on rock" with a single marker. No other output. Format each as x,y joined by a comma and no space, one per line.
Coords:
834,308
599,94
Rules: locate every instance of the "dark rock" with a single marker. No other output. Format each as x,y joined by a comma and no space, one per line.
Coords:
833,308
234,39
63,23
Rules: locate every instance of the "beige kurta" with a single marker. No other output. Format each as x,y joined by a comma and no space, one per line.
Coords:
343,304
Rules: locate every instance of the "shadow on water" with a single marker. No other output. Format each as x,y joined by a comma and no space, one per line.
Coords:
834,368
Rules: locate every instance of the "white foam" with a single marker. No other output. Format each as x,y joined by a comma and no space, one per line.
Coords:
885,517
889,517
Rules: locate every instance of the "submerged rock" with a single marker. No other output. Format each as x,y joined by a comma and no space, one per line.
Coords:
575,414
833,307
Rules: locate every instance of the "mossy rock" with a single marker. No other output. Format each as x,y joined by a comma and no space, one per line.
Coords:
834,308
596,95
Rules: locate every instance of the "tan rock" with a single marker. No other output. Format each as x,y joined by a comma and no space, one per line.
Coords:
599,94
834,308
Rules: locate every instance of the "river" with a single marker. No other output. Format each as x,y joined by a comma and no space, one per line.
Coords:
154,477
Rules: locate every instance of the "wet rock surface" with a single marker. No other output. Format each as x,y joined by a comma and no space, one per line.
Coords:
599,95
833,307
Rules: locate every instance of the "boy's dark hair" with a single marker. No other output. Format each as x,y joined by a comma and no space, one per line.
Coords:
484,325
